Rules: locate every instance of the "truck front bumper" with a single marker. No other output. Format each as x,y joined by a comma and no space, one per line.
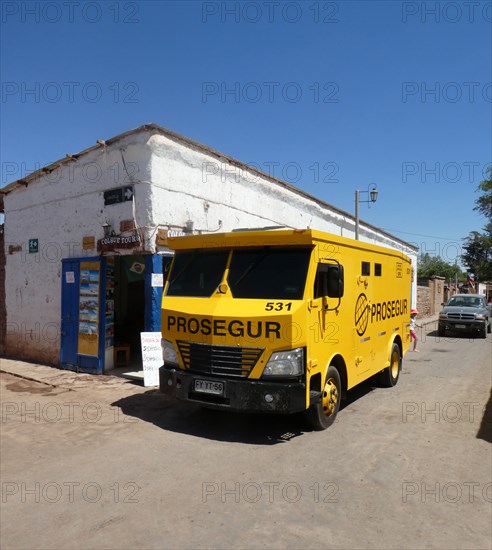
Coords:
237,395
464,325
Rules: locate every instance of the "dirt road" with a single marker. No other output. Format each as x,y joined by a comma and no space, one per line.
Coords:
98,462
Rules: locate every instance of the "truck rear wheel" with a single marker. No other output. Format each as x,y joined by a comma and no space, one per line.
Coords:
389,376
322,414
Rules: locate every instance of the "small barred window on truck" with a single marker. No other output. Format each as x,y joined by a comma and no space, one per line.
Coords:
282,321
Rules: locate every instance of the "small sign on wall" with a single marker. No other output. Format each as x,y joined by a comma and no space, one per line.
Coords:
33,246
118,195
157,280
88,243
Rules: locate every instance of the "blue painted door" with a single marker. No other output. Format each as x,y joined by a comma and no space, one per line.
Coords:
154,265
69,314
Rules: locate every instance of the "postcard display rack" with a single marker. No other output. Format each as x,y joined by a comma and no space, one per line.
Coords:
96,311
89,308
109,315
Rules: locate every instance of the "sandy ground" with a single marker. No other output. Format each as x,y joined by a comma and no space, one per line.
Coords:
100,462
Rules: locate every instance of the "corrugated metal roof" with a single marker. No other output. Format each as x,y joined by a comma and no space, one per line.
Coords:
153,128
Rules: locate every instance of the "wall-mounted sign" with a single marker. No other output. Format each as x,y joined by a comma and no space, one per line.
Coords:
120,194
127,225
13,248
70,277
164,234
119,241
33,246
157,280
88,243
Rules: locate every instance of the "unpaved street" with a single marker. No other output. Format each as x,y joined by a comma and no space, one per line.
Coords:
99,462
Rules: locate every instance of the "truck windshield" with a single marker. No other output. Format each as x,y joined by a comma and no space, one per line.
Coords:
270,273
197,273
466,301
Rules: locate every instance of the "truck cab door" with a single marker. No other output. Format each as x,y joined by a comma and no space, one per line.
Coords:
327,294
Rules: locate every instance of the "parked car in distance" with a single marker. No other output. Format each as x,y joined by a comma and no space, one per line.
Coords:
466,312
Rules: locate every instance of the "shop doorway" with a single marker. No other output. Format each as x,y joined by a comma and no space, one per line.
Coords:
129,303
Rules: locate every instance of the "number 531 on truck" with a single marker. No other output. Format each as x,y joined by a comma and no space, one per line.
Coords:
282,321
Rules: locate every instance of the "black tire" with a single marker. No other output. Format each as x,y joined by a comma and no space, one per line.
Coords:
489,327
441,331
322,414
390,375
483,332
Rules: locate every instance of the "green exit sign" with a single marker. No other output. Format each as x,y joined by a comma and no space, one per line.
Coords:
33,246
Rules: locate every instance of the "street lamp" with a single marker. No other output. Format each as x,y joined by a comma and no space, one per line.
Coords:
107,229
372,191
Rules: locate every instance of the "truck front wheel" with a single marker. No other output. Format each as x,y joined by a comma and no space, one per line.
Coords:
389,376
321,415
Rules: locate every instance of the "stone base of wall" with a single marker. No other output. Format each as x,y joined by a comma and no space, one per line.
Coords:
19,346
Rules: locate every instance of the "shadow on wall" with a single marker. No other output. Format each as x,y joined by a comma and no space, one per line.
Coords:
3,310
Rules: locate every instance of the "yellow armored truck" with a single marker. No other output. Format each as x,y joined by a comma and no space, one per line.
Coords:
282,321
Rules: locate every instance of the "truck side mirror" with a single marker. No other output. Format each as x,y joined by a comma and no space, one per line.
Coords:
335,281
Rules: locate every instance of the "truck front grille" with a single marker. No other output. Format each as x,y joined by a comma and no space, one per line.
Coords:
219,360
461,316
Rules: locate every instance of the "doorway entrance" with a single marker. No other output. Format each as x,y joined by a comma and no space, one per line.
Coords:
108,302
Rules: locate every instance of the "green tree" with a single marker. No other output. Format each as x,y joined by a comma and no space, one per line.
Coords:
477,256
484,202
434,265
478,253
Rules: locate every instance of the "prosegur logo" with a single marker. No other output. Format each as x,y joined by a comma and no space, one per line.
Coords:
379,311
223,327
361,314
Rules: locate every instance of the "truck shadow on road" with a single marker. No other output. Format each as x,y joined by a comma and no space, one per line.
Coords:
485,430
156,408
256,429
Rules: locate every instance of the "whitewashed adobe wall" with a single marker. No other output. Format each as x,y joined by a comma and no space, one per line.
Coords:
216,194
59,209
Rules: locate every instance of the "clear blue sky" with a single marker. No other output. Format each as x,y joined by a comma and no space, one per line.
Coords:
331,96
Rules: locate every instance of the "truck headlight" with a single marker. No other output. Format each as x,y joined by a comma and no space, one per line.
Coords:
285,363
168,352
443,315
480,317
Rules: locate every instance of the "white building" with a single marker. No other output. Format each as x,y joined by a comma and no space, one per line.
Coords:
85,238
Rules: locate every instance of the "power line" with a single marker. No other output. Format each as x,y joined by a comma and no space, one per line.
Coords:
420,235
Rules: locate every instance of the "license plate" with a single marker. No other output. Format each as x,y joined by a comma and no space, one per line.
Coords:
207,386
460,326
